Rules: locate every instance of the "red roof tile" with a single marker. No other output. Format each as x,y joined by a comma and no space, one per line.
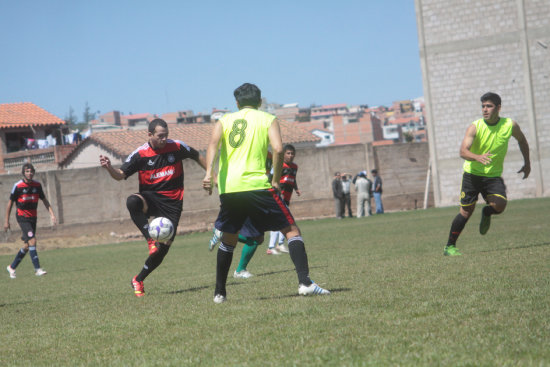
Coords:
25,114
124,142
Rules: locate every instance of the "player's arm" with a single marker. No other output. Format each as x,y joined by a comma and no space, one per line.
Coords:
211,154
467,142
50,209
276,142
115,173
8,213
524,148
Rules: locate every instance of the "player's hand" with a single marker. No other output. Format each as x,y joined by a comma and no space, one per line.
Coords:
298,192
54,220
207,184
276,186
104,161
526,169
6,226
485,159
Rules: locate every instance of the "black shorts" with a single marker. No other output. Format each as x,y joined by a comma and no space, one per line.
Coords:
161,206
28,228
473,185
261,210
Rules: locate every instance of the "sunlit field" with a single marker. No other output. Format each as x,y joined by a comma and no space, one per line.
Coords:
396,300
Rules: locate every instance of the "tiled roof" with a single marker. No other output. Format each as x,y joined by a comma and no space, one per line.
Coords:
124,142
25,114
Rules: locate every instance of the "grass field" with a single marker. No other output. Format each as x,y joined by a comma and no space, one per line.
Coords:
396,300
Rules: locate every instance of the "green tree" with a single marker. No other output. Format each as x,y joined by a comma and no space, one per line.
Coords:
88,115
70,118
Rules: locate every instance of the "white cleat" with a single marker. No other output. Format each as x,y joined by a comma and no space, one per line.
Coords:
244,274
282,248
273,251
11,271
39,272
218,298
311,290
216,239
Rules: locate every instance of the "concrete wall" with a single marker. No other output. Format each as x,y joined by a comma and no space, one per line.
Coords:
468,48
90,195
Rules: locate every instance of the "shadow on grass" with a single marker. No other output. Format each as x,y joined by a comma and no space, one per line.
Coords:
238,281
332,291
519,247
14,304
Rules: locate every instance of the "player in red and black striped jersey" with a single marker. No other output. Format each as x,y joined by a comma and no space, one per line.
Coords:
288,184
25,194
160,173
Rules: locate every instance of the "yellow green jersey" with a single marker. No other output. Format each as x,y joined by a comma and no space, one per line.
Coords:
490,138
243,151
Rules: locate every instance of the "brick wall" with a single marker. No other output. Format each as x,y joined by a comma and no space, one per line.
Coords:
90,195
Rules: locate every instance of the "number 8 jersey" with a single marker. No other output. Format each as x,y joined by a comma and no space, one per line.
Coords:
243,151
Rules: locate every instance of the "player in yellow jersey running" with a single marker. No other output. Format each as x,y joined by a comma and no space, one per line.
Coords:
246,194
484,147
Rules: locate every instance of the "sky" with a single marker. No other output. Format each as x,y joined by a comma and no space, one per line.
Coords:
162,56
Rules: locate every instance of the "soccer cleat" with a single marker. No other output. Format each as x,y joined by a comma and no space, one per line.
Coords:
11,271
313,288
216,239
451,251
485,223
138,288
282,248
273,251
218,298
153,246
244,274
39,272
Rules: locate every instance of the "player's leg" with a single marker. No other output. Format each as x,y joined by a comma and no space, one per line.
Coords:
232,215
469,192
279,215
248,250
157,205
495,195
251,239
38,271
273,240
22,252
137,206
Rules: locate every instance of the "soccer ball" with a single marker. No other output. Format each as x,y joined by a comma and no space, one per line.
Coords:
161,229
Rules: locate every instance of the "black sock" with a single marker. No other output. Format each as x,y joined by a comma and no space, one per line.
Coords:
135,207
225,256
456,228
152,262
298,255
488,210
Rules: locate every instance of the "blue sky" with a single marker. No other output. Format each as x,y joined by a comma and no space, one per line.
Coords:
163,56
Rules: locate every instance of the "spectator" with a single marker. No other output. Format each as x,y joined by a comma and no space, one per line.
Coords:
377,191
363,187
346,186
338,193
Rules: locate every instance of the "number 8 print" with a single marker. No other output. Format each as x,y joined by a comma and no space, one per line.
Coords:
238,129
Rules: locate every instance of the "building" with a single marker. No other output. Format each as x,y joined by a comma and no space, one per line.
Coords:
118,144
29,133
468,49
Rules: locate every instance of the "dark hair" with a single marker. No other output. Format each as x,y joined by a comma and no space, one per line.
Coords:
26,166
248,95
490,96
157,122
374,171
289,147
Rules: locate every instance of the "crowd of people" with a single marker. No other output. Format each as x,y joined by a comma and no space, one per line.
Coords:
255,187
365,189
